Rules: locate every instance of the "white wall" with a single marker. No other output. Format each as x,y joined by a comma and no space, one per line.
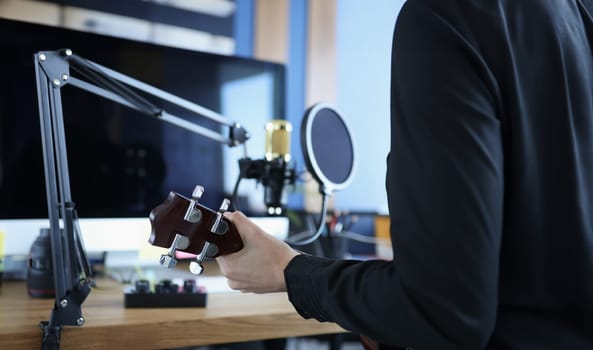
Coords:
364,34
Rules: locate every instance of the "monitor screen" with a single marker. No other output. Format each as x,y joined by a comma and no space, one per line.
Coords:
123,163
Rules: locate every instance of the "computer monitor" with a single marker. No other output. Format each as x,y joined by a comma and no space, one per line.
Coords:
123,163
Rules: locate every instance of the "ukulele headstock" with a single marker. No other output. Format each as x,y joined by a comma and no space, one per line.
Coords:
183,224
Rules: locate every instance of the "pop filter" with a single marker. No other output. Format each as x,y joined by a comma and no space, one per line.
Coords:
328,147
328,150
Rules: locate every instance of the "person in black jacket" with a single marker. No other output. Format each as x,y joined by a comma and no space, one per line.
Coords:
490,189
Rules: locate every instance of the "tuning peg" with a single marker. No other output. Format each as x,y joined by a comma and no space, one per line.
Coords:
196,268
198,192
179,242
209,249
220,227
193,214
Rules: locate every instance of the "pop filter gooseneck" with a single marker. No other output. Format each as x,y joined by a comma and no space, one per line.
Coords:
329,154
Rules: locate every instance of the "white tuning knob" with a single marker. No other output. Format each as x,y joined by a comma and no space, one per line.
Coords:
196,268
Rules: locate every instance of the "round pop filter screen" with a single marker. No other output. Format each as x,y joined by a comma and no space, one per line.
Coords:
328,147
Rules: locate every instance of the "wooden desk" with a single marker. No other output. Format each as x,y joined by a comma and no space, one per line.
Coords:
228,318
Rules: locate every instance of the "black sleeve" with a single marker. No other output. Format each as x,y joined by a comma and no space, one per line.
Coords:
445,190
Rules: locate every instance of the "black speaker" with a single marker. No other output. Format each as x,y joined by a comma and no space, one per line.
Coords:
40,275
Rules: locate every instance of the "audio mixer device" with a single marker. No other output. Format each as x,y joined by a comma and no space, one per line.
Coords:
165,293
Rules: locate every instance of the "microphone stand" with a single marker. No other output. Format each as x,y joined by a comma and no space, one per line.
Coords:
69,261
